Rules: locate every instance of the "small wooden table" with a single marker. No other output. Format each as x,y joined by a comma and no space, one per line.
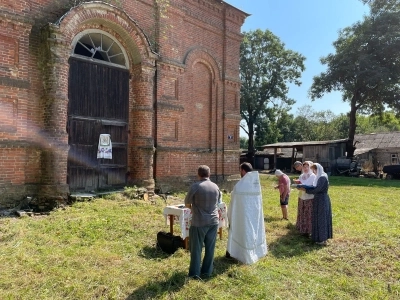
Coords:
179,214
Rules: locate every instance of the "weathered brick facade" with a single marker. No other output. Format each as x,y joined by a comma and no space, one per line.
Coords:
183,89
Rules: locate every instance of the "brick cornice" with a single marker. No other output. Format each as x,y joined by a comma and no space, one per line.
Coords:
214,8
19,144
18,83
233,83
232,116
169,106
142,108
172,66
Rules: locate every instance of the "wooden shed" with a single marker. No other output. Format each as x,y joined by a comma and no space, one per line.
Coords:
323,152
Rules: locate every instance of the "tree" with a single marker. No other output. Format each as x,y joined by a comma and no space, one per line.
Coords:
266,68
287,127
341,124
365,68
377,123
266,128
379,6
243,142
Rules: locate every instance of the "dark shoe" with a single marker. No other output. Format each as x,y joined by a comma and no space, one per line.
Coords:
195,277
205,276
321,243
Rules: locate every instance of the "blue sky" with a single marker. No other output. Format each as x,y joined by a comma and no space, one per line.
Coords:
308,27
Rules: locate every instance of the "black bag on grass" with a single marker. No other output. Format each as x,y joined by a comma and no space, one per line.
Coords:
168,242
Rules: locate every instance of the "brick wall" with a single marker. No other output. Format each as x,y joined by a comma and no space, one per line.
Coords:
198,90
184,99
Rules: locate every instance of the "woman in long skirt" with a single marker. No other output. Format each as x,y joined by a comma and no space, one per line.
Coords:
305,202
321,210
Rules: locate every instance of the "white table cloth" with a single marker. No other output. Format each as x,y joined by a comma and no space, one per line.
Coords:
183,217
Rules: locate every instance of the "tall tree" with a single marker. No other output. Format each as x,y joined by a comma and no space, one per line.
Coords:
288,128
365,68
266,68
341,124
266,129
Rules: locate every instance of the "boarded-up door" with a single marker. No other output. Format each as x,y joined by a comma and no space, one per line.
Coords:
98,104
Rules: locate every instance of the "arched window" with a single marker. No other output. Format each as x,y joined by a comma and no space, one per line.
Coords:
101,47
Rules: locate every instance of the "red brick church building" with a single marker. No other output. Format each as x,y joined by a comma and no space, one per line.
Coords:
158,80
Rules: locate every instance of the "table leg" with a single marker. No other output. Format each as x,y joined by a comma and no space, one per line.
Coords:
171,224
220,233
186,243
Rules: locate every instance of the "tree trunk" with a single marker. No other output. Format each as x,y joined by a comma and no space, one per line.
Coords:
250,150
352,129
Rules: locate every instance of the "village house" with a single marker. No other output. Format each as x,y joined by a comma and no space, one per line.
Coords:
102,95
377,150
373,152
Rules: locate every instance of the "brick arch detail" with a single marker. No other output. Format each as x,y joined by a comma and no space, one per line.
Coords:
197,55
98,15
192,59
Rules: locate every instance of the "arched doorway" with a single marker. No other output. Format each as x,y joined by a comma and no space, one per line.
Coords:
98,92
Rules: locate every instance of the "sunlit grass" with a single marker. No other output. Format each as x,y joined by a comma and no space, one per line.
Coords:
106,249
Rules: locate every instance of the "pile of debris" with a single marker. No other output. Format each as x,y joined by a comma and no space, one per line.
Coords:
27,207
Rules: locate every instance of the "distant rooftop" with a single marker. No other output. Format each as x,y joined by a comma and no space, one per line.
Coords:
297,144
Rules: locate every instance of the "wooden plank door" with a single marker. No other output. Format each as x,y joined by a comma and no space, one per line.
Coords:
98,104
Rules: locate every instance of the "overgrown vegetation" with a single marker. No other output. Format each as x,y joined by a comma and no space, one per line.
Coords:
106,249
310,125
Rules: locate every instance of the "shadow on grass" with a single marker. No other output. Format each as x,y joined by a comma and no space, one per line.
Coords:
269,219
156,289
291,244
153,252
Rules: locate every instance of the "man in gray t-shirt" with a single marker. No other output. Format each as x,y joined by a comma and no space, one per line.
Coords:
202,199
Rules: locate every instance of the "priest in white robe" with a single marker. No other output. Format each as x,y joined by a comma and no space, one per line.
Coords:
246,240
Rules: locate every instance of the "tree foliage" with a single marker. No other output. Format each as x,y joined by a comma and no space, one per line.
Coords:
310,125
365,68
266,69
382,6
243,142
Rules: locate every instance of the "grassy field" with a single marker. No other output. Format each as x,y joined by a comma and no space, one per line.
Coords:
106,249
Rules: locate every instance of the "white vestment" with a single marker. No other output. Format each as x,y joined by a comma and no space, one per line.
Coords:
246,240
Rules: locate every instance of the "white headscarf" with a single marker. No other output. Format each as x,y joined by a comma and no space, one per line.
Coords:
305,176
320,173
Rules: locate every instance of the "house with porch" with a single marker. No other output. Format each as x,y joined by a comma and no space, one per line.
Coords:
323,152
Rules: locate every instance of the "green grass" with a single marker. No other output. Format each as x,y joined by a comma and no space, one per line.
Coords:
106,249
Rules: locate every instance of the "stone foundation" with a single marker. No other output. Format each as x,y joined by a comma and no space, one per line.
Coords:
12,195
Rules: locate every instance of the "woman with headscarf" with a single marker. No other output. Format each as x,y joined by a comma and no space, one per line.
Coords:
321,209
305,201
